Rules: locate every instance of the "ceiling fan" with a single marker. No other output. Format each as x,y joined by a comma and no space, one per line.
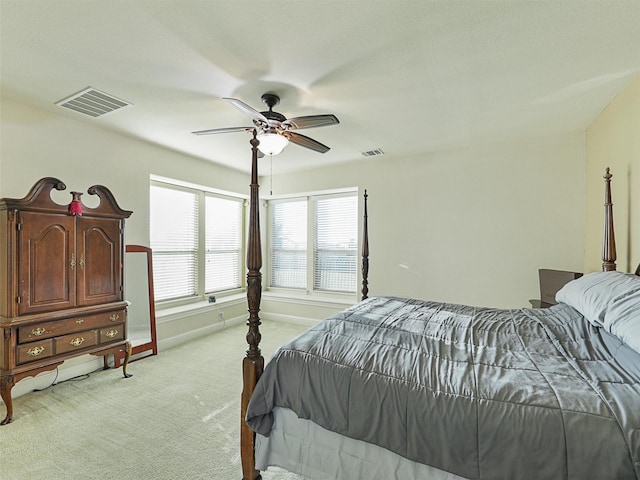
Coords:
274,129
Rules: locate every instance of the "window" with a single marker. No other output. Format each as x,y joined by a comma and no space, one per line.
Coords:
289,244
320,252
196,237
174,241
336,244
223,233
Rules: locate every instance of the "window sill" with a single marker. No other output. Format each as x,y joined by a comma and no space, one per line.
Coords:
339,301
178,312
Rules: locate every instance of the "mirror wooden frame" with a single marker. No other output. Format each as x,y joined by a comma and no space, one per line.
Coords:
151,345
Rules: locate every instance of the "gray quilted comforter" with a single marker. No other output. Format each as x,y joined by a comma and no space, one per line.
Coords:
482,393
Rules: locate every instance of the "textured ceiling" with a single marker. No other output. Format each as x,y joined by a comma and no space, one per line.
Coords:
406,77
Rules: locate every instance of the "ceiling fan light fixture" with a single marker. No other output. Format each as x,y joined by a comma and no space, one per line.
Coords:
272,143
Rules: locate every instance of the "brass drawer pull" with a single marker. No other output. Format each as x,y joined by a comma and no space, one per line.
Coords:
35,351
81,262
114,317
38,331
76,342
111,333
73,261
80,321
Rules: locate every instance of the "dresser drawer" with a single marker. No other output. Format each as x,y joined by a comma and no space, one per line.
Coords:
56,328
111,334
34,351
77,341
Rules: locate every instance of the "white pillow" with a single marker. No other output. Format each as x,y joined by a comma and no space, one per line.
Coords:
593,294
622,318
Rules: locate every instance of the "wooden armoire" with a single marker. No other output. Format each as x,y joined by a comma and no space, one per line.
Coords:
61,292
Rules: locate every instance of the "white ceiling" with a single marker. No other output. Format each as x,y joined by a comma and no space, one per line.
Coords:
407,77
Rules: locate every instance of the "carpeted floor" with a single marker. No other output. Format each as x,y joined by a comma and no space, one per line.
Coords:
177,418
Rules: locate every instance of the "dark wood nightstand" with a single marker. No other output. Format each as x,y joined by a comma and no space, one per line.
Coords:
539,303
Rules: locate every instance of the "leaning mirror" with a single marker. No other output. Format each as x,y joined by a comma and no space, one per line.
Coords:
139,293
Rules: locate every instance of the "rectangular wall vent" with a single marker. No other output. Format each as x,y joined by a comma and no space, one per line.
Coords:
93,102
372,153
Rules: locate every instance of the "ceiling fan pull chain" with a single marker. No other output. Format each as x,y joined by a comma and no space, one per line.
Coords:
270,174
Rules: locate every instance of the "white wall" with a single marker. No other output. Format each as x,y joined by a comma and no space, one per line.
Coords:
468,226
613,140
37,143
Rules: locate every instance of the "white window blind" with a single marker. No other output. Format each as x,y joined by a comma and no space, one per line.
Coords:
174,241
289,244
223,243
336,244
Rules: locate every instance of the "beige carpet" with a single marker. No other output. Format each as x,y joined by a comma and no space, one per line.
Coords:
177,418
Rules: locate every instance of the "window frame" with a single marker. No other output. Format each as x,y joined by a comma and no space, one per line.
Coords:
309,290
202,192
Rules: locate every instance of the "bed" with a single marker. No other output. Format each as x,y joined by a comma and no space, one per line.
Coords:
404,388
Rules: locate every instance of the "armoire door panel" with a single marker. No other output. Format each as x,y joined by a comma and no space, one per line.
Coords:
46,262
99,250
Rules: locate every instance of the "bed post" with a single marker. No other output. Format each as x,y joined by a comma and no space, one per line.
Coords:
365,252
609,240
253,363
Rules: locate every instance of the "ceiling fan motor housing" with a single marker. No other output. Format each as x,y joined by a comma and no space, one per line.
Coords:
271,100
271,115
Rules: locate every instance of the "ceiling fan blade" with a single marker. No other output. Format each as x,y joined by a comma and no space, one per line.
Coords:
306,142
311,121
223,130
258,118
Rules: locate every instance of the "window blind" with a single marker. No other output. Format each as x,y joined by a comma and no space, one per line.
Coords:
289,244
174,240
223,243
335,250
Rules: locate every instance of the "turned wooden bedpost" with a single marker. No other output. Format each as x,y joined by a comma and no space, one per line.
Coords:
253,363
365,252
609,240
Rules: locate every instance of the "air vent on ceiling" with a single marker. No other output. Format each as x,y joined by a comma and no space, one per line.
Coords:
372,153
93,102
